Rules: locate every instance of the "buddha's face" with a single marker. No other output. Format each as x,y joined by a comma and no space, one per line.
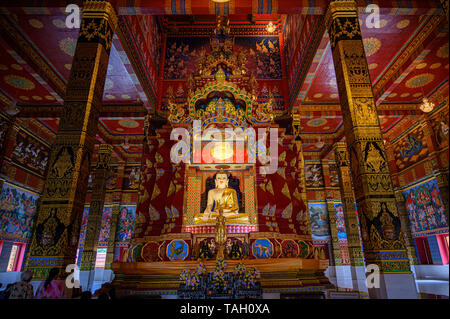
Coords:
221,180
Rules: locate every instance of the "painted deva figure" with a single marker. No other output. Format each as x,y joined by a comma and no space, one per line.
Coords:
223,197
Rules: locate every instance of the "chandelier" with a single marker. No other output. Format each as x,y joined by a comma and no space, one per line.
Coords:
12,109
271,27
426,106
220,1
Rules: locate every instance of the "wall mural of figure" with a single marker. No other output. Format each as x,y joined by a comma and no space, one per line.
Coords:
319,220
314,175
105,224
340,223
411,148
425,208
30,153
126,223
17,211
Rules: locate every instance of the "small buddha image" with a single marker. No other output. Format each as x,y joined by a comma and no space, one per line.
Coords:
222,198
386,223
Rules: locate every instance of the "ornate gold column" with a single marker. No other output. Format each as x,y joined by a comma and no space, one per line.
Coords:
336,260
348,203
406,228
301,170
114,219
442,183
54,241
382,237
101,173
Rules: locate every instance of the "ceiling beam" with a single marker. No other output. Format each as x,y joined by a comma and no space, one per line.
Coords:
385,109
307,58
32,111
129,44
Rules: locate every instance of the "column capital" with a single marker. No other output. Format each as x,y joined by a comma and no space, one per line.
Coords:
341,20
398,195
340,154
98,23
441,179
104,156
340,8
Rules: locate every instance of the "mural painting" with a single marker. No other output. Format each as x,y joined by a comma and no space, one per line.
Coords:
84,220
126,223
181,57
425,207
340,224
262,248
17,212
30,153
410,149
177,250
104,228
319,221
314,175
263,55
290,248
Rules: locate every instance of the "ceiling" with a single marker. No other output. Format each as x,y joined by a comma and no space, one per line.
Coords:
399,77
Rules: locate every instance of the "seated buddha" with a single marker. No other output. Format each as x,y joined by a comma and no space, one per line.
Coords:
221,197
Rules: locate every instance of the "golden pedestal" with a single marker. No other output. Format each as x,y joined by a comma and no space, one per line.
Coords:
284,275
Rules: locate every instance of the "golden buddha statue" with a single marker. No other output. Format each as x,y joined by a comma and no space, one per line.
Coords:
224,198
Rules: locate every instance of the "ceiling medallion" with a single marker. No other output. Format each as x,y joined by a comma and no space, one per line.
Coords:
426,106
271,27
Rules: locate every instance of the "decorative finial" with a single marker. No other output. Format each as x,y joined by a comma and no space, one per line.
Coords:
220,76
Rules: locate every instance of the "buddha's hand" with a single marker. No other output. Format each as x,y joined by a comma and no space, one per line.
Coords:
205,216
230,214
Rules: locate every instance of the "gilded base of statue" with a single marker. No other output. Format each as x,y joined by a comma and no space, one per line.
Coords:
220,235
220,252
142,279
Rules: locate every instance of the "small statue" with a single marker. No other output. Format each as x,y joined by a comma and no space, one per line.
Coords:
205,253
176,112
221,234
264,112
253,85
190,83
236,251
